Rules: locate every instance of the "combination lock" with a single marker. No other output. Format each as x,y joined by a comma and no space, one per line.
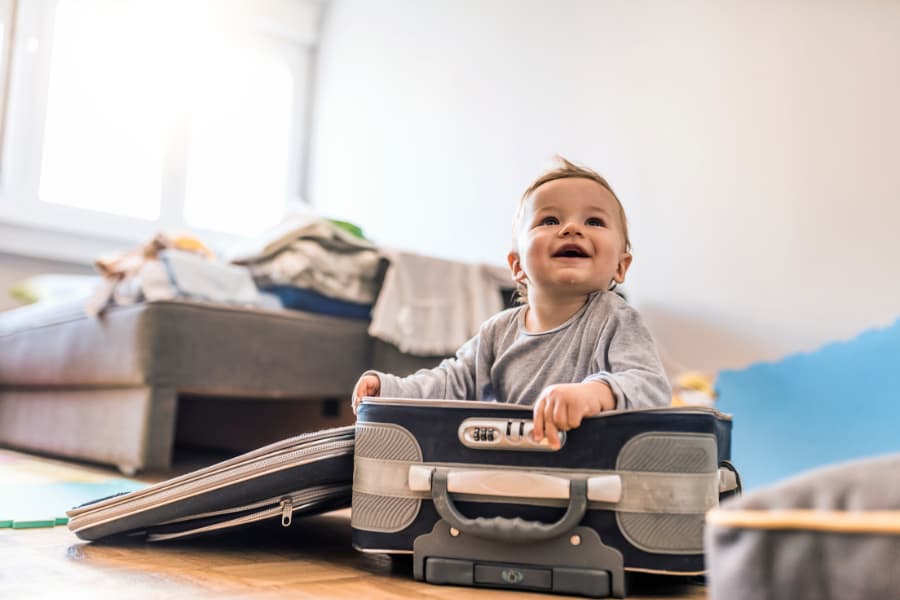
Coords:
503,434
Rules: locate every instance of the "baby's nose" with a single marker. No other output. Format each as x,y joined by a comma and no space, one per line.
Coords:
570,229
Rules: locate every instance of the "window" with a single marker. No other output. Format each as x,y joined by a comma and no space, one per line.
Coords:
130,116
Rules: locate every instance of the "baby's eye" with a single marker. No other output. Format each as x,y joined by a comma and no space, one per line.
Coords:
595,222
549,221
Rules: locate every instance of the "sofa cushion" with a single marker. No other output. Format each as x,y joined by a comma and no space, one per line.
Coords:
191,346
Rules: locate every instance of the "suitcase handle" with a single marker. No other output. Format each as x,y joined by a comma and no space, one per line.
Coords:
501,528
515,484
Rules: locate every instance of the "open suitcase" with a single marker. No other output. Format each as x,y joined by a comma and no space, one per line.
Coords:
463,486
303,475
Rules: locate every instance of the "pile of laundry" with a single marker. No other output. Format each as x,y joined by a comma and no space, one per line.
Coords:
423,305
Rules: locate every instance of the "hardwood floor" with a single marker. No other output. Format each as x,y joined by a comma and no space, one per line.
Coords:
312,558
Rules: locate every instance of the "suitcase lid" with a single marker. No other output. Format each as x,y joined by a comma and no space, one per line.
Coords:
322,460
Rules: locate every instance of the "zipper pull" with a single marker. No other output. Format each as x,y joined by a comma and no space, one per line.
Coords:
287,511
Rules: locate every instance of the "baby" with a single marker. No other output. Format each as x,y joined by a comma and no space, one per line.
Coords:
574,348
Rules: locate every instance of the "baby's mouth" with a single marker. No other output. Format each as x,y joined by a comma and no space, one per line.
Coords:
570,251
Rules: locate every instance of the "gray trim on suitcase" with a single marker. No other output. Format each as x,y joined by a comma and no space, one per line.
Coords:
373,510
660,530
384,514
674,493
386,440
663,533
669,452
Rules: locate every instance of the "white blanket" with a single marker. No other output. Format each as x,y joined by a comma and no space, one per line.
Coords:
429,306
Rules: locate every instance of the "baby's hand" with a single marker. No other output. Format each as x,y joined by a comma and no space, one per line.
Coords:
561,407
368,385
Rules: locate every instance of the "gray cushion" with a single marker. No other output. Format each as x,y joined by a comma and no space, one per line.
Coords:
192,346
829,533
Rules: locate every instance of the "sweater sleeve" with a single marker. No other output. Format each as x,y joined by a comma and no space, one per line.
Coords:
453,379
635,372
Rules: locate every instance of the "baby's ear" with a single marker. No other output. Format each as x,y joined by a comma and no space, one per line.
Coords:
622,268
515,267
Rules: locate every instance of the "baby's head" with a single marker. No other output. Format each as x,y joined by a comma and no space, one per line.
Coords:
570,234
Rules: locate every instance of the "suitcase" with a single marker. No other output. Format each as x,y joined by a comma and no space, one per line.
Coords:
303,475
463,486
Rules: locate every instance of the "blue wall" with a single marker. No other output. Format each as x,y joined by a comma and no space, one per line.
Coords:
807,410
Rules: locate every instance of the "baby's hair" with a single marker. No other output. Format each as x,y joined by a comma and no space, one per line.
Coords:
565,170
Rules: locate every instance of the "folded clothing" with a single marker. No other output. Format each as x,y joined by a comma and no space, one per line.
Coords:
193,276
172,274
315,254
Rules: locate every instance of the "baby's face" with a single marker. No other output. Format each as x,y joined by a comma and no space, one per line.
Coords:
570,239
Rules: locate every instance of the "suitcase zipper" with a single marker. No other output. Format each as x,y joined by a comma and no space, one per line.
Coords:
245,520
119,507
313,494
286,507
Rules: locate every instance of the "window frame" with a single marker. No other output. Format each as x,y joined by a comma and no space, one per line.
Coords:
27,223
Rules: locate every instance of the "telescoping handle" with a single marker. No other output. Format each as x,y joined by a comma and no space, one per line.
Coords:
529,485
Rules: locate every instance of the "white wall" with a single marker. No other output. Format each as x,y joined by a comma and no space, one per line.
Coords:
755,145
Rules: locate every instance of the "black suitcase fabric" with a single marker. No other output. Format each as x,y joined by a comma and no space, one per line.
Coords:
648,478
306,474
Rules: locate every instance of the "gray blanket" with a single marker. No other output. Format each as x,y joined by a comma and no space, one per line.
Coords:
831,533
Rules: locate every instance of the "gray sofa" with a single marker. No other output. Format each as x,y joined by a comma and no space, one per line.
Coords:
108,389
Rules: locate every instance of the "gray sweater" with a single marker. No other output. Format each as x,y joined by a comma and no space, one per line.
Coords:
606,340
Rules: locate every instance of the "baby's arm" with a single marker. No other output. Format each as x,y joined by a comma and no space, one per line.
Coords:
561,407
453,379
626,359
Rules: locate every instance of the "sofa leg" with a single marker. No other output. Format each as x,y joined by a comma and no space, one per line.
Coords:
131,427
127,470
159,439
